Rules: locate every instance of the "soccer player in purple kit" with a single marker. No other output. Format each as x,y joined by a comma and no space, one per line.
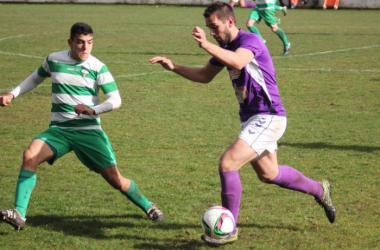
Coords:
262,114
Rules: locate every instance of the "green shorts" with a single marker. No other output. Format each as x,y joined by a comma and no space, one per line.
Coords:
269,16
92,147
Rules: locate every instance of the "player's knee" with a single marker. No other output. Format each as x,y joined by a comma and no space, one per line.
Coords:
30,160
265,179
227,164
250,23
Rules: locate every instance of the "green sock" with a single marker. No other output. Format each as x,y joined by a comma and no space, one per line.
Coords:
282,36
134,195
253,29
25,184
276,7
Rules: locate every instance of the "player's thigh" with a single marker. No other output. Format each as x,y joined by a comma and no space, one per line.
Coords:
266,167
270,18
93,149
57,140
236,156
254,15
36,153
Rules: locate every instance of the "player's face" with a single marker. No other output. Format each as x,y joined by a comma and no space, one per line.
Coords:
81,47
219,29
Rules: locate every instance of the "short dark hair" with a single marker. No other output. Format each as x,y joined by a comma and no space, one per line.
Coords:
223,11
80,28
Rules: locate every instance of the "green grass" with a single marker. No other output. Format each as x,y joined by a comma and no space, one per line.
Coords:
170,132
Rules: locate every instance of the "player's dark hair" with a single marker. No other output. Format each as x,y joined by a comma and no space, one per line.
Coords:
81,29
223,11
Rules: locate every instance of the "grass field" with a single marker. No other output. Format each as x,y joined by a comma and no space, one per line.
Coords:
170,132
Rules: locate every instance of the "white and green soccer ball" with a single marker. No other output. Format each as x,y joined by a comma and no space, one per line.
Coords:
218,222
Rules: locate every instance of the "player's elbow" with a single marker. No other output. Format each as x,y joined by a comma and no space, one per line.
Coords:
238,66
206,80
117,103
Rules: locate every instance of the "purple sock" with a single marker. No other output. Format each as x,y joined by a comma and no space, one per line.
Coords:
231,192
291,178
249,5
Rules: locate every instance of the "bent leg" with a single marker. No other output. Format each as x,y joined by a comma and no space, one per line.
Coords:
37,152
281,34
287,177
291,178
126,186
252,28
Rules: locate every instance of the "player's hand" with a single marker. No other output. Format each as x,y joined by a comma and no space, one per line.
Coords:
83,109
165,62
199,35
6,99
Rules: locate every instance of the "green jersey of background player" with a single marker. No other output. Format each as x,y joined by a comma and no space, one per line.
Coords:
77,77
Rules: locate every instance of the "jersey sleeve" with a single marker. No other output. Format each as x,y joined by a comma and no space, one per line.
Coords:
253,43
215,62
44,70
106,81
108,85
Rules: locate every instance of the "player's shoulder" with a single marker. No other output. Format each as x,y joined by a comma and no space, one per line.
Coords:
249,40
95,64
248,35
59,56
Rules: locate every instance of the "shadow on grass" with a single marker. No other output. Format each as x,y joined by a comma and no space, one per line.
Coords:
95,226
320,145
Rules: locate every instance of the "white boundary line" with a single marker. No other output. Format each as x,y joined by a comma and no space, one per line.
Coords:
328,52
143,74
22,55
11,37
329,70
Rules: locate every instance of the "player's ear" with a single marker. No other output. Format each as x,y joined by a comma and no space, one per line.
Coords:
230,21
69,42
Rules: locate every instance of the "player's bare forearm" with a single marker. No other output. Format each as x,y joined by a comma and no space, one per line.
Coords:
192,74
6,99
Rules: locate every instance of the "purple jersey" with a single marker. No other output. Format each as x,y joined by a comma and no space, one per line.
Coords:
255,85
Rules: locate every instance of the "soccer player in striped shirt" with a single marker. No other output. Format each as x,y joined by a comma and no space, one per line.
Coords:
77,77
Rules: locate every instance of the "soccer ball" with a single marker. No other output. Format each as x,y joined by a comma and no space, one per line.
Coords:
218,222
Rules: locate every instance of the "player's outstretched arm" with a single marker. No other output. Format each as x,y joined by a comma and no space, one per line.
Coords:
6,99
202,75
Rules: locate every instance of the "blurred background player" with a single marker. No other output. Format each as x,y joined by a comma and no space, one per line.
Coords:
77,77
265,9
244,4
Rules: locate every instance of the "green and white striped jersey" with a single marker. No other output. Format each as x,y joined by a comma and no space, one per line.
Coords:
76,83
265,4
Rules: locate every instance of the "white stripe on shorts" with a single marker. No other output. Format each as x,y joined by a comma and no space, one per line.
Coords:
262,132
